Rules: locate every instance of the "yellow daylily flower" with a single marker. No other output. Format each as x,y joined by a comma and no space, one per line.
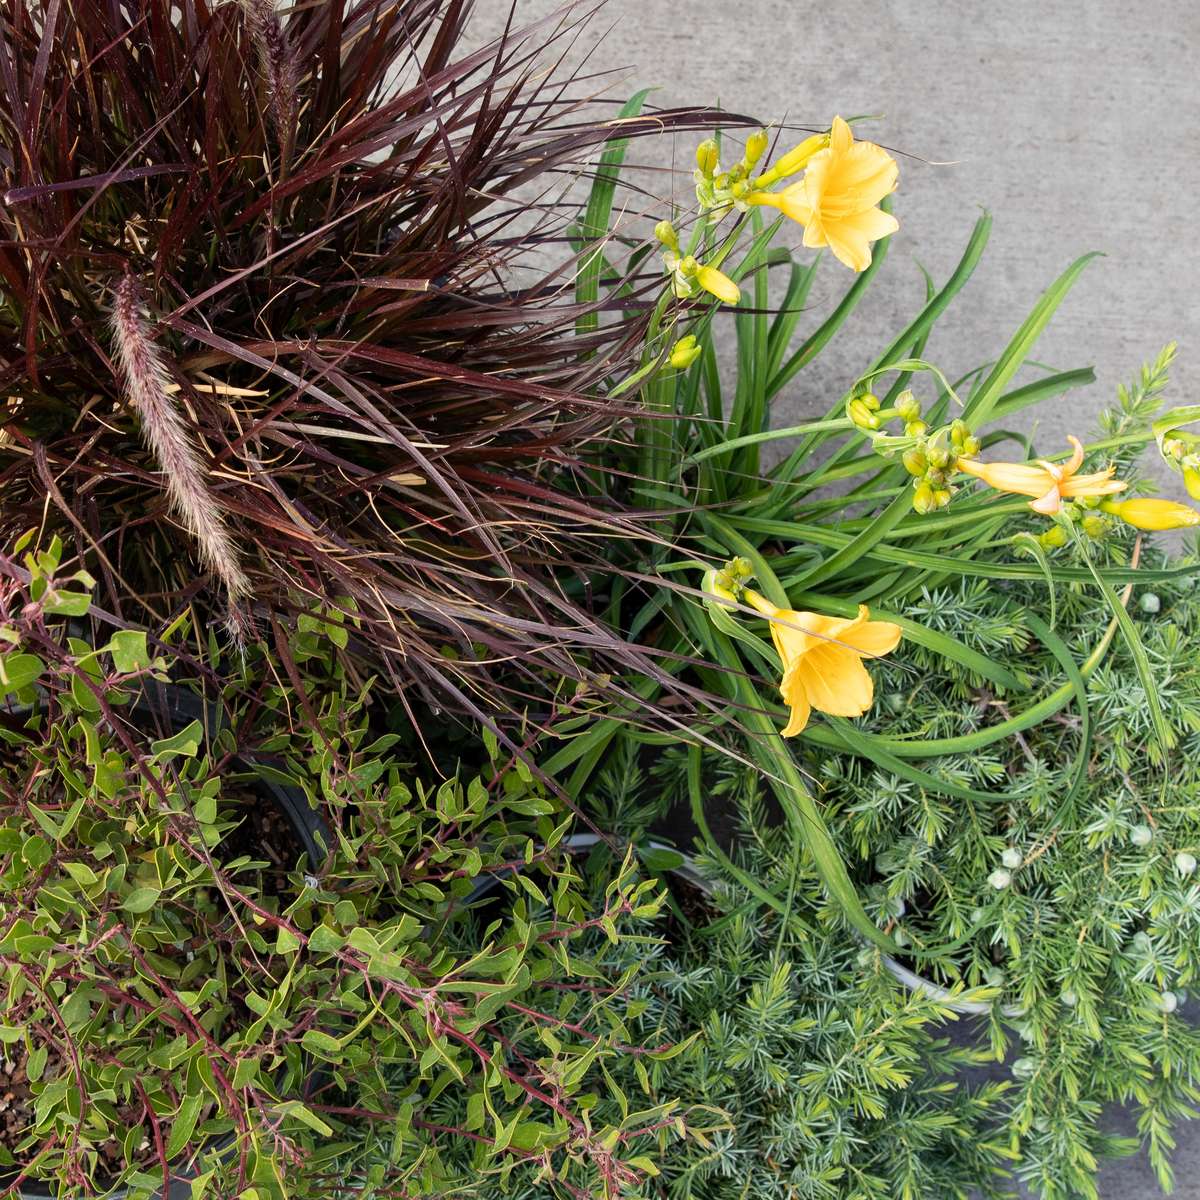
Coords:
836,200
1153,514
822,659
1048,483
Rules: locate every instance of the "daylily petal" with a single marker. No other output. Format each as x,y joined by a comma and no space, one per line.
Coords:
873,638
1101,483
1009,477
835,681
849,246
795,697
814,233
796,633
1076,460
840,136
1048,504
873,223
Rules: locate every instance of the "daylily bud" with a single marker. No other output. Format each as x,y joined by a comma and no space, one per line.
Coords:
1094,525
715,584
923,499
1154,515
718,284
861,415
665,232
796,159
939,457
1191,481
908,407
915,462
685,352
959,432
707,156
1053,538
970,447
916,428
871,401
756,147
941,497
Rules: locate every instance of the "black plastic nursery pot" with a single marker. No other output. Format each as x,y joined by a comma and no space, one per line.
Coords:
175,708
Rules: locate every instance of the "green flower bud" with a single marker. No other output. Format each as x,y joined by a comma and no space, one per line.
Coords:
908,407
685,352
861,415
665,232
959,432
1094,525
915,462
1053,538
939,457
942,497
871,401
916,428
923,500
971,447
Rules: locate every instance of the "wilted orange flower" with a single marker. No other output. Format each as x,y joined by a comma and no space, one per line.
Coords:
836,200
1049,483
822,659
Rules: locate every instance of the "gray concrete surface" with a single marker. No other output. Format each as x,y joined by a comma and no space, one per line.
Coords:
1076,124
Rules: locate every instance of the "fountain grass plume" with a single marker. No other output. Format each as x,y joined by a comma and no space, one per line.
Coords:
146,381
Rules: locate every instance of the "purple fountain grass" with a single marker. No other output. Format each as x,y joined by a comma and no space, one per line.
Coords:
148,389
277,57
351,224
